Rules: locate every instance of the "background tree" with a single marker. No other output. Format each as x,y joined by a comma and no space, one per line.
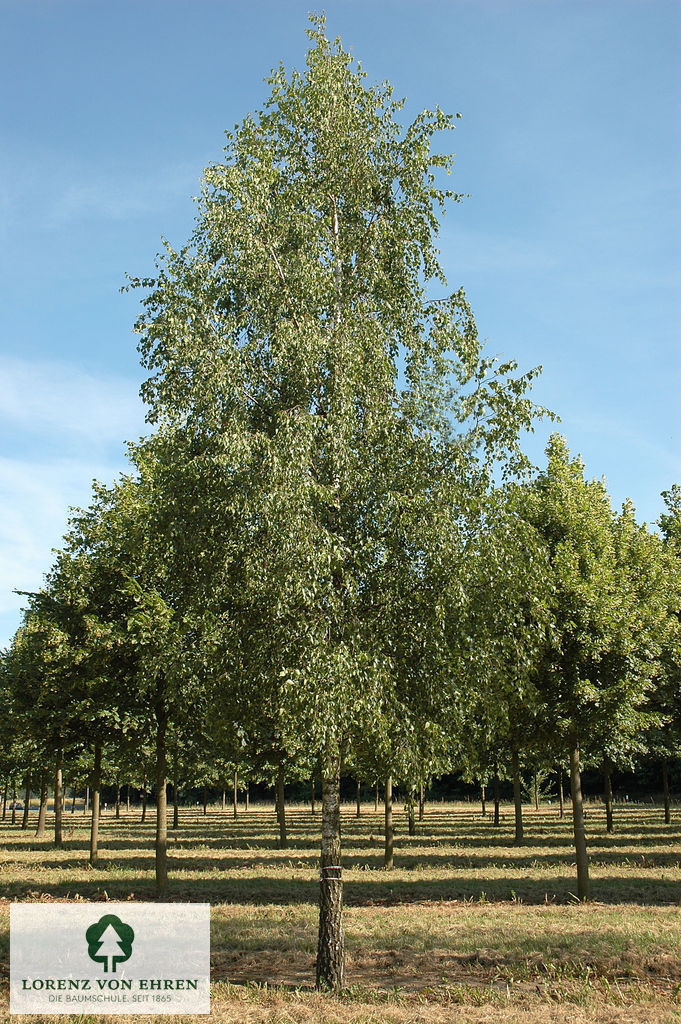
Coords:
599,660
664,736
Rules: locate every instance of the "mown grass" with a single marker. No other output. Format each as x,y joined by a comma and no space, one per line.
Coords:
466,927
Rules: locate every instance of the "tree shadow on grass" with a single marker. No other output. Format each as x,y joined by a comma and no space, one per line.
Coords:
380,889
190,860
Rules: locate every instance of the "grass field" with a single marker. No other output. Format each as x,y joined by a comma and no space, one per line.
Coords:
466,927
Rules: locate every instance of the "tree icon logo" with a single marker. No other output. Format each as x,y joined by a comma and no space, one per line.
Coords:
109,941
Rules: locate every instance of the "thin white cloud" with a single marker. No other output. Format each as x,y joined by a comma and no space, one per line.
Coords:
35,497
631,438
478,251
57,191
37,397
107,200
45,407
121,197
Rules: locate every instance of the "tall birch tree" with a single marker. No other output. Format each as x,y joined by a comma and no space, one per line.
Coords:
338,421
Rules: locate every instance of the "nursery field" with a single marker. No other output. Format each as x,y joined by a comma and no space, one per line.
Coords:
466,927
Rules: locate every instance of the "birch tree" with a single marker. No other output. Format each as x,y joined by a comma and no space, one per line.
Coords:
337,417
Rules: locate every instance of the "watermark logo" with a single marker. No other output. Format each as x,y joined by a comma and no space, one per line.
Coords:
109,941
137,958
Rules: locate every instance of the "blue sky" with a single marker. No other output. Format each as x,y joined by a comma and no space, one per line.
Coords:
569,248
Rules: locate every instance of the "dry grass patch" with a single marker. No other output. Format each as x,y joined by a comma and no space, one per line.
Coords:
467,926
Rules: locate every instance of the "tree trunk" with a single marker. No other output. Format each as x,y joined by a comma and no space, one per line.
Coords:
176,795
376,799
561,796
536,792
411,812
4,800
358,798
665,787
118,799
127,799
14,801
495,789
578,823
517,799
27,799
388,858
246,795
42,813
482,796
421,801
235,794
57,800
143,817
281,810
205,800
224,799
161,801
176,805
96,791
331,943
607,787
86,801
313,805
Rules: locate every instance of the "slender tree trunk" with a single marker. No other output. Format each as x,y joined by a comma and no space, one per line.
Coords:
536,792
376,799
421,801
482,796
561,796
118,798
313,804
4,800
27,799
127,799
495,790
205,800
176,795
358,798
517,799
281,809
578,822
42,813
331,943
411,812
607,787
96,795
14,801
665,787
58,806
161,800
235,794
143,817
246,797
223,800
388,853
86,801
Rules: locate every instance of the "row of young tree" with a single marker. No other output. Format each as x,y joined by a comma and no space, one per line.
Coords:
331,553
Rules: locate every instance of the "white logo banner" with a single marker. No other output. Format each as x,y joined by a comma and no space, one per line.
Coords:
110,958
